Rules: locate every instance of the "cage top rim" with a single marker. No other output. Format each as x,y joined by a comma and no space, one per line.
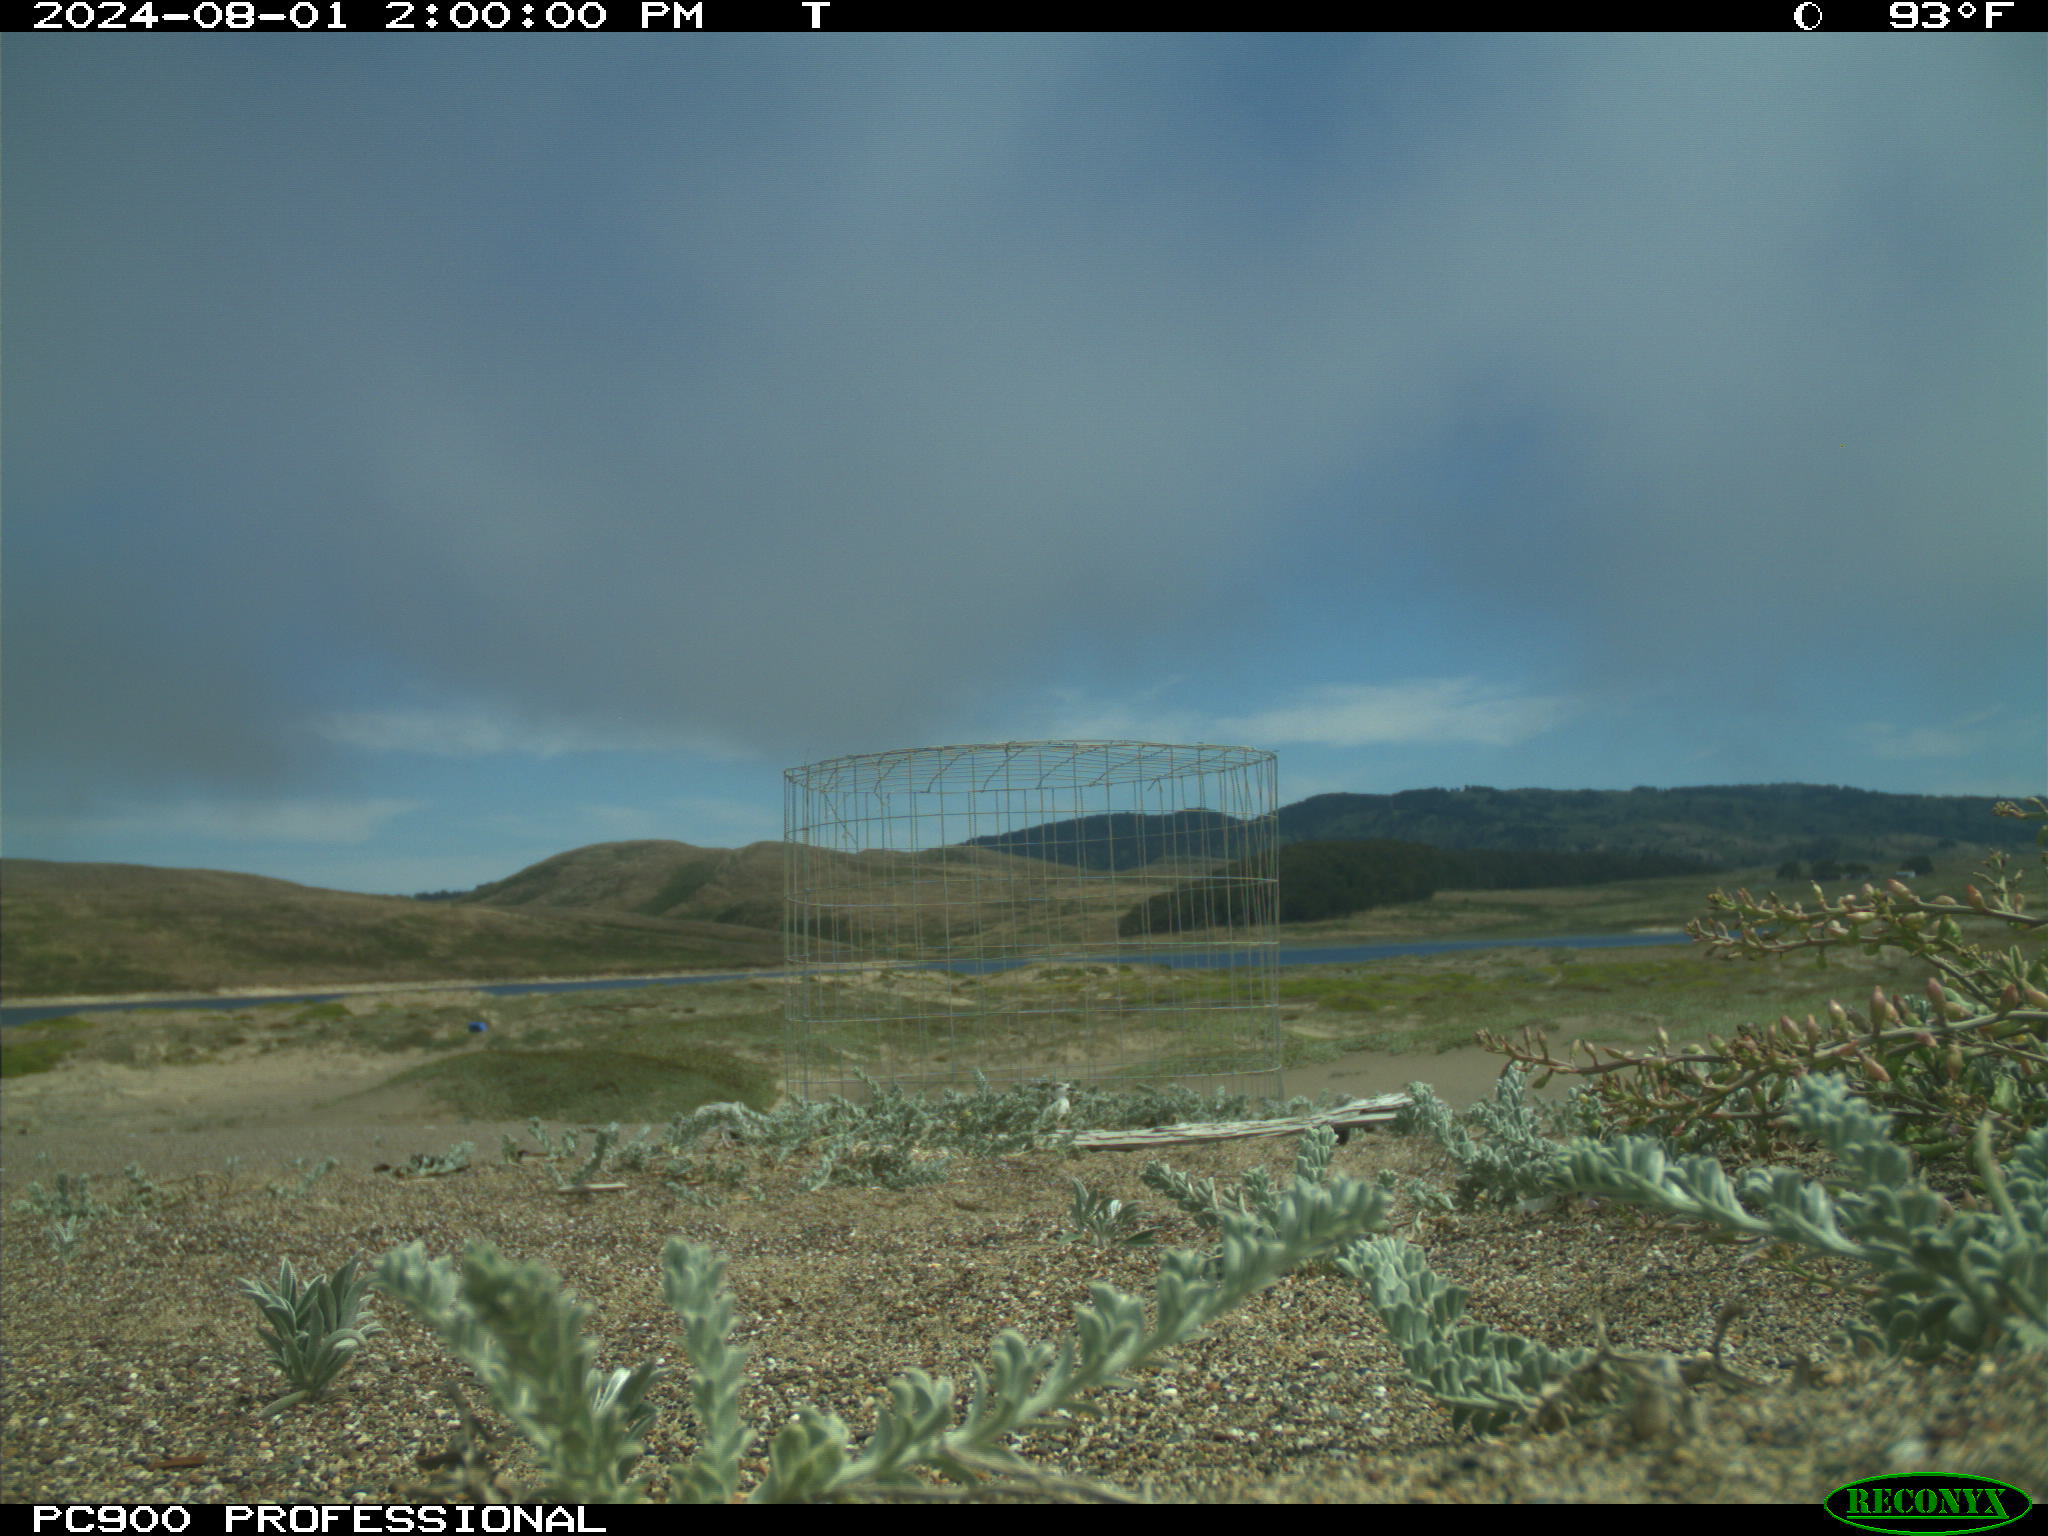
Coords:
1231,755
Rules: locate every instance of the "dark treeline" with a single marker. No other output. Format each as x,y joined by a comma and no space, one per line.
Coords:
1334,879
1718,826
1224,899
1522,869
1329,879
1725,824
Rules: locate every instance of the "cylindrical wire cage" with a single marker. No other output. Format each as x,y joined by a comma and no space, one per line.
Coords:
1081,911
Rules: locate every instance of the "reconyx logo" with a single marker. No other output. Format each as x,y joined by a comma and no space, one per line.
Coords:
1929,1502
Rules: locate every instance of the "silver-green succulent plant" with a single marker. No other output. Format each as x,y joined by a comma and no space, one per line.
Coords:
1095,1217
1943,1278
1486,1378
512,1324
314,1329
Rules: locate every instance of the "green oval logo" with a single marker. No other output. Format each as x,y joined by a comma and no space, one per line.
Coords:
1930,1502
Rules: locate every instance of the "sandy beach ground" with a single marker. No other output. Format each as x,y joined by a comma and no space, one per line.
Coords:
97,1117
134,1371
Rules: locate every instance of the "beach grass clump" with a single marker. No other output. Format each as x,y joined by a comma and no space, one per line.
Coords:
27,1049
592,1082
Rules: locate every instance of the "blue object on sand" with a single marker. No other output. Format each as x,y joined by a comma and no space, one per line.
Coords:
478,1026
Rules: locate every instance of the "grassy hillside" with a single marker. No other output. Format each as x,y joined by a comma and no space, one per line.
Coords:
649,907
650,878
110,929
608,909
972,896
1125,839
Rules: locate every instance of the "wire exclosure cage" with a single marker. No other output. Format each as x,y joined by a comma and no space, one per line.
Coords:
1098,912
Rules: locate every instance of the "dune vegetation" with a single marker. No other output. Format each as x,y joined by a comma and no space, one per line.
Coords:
1516,1301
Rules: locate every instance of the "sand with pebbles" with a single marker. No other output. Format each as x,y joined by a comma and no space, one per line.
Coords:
134,1371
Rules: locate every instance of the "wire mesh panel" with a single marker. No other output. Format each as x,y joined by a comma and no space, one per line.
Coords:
1081,911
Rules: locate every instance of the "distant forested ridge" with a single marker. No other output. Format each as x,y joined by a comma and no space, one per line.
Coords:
1334,879
1719,825
1716,827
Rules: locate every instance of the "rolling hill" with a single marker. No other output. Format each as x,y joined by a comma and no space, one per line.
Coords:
1120,840
114,929
968,896
652,907
650,878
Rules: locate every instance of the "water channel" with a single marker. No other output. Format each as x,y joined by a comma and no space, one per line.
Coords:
1349,954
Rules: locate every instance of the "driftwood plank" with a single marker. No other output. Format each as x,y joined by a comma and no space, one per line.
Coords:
1358,1112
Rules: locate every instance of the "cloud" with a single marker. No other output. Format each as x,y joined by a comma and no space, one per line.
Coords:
1957,739
479,733
1460,711
707,815
809,406
267,821
744,820
1076,714
1446,711
1297,787
435,734
622,823
707,820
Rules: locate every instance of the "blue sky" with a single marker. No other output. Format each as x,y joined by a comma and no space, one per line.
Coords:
424,455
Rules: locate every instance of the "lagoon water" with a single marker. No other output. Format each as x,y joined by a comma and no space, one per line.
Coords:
1351,954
